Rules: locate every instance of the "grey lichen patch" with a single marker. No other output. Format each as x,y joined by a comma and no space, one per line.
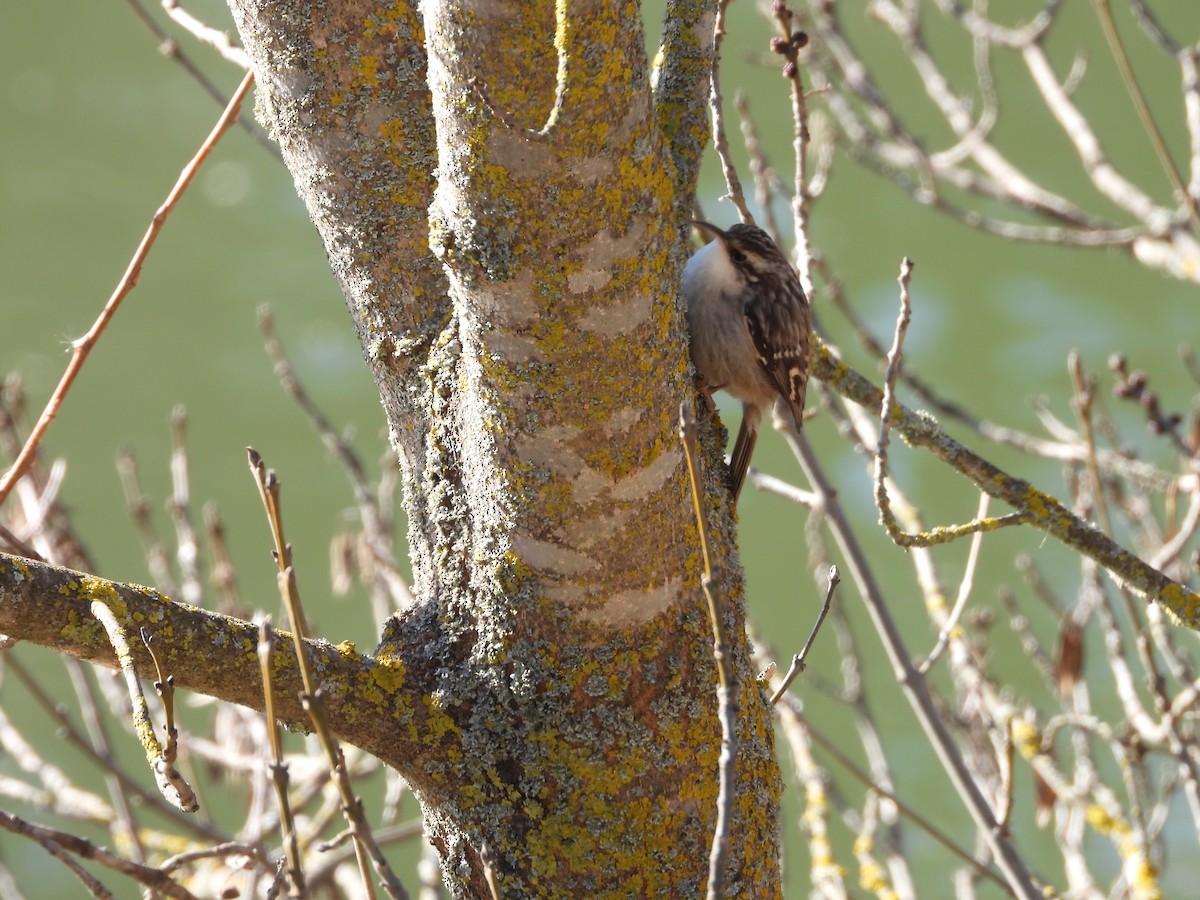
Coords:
520,155
551,558
596,531
587,280
604,252
508,304
650,478
591,170
557,450
513,349
616,319
633,607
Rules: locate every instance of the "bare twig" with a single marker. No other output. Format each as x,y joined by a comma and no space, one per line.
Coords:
277,767
1085,395
1020,880
169,47
766,181
81,347
187,550
138,505
727,688
171,784
375,524
1113,36
367,850
223,575
125,829
206,34
964,591
1075,125
217,851
791,707
789,44
940,534
720,138
18,546
60,843
488,858
1035,507
798,661
129,785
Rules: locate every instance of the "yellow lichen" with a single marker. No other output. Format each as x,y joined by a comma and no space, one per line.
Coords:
1026,737
389,675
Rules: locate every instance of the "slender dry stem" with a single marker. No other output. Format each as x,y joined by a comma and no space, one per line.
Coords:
727,688
82,347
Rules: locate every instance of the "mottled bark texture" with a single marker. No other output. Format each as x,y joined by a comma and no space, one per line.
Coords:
503,190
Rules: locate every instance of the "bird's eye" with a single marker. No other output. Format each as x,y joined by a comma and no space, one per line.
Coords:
737,255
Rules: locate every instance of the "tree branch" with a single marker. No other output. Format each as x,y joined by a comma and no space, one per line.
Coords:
1042,510
210,653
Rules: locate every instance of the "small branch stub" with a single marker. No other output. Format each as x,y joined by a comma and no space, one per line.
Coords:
798,661
174,789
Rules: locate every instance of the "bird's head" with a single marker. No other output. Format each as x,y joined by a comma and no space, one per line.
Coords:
745,254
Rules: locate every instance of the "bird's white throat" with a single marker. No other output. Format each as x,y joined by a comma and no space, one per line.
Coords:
710,269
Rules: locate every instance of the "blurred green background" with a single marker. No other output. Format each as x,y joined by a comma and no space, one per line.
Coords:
97,124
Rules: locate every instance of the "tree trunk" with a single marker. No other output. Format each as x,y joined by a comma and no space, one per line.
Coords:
504,197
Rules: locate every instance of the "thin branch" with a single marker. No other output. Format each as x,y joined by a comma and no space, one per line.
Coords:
940,534
1076,127
798,661
223,574
81,347
830,746
125,828
1170,550
1085,395
790,43
18,546
128,784
277,767
488,857
218,851
964,591
1113,36
206,34
1035,507
727,687
187,551
766,180
61,843
138,505
63,598
169,47
171,784
165,685
1189,64
367,850
376,527
1020,880
781,488
720,138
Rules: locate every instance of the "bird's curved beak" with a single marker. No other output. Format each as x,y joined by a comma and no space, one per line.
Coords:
709,229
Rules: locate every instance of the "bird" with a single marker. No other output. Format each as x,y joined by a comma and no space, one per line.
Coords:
750,327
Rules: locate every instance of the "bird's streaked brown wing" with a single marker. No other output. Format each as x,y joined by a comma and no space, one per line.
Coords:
780,323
